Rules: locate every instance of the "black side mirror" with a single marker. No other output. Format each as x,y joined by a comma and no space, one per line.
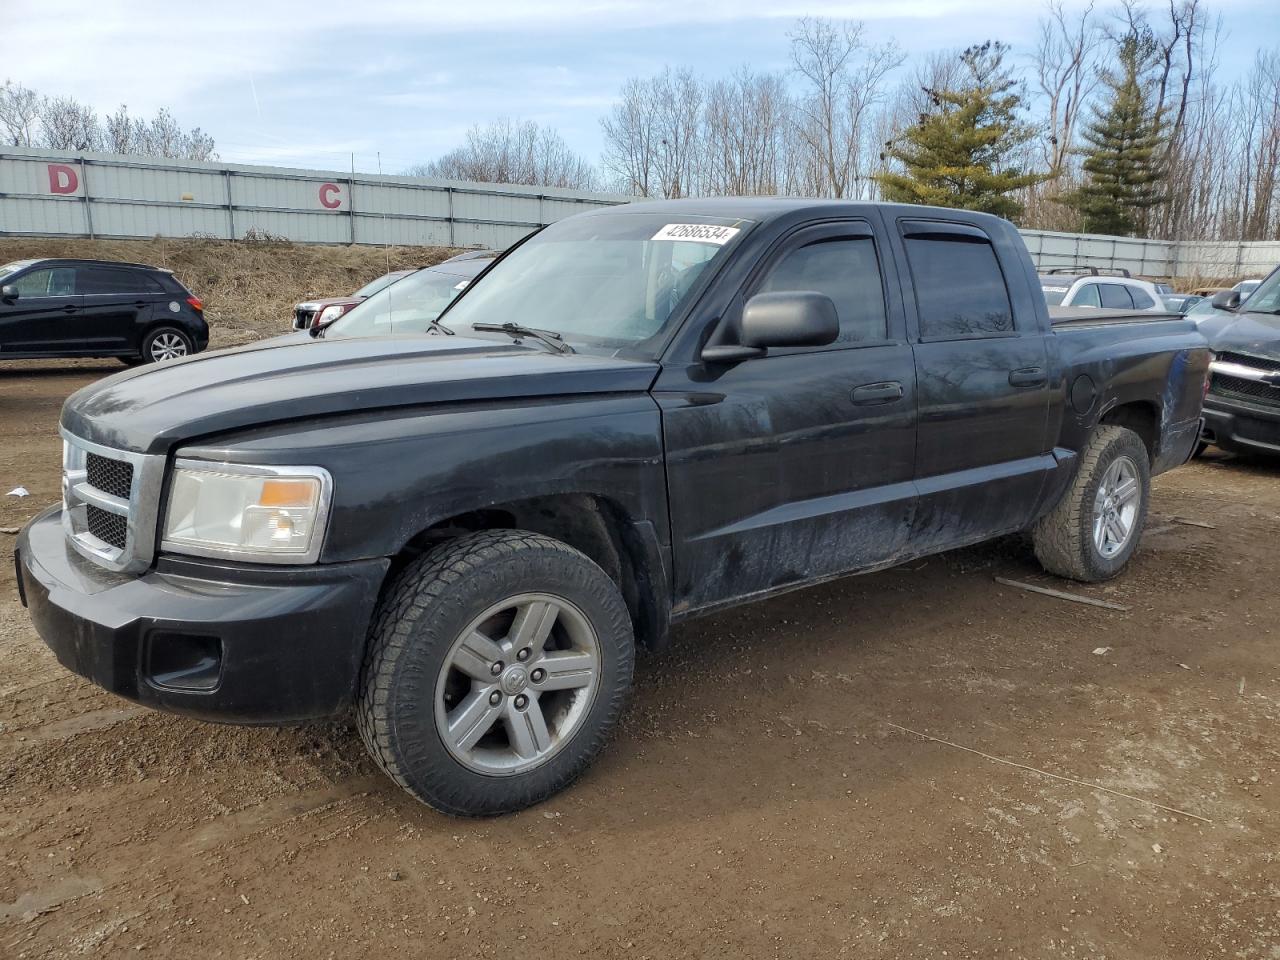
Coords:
1226,300
8,293
794,318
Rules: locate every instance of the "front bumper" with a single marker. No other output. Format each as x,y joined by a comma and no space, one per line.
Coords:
220,641
1241,427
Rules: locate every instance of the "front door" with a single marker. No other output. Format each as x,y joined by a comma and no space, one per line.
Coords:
796,465
44,316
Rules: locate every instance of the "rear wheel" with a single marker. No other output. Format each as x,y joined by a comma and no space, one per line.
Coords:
1096,526
165,343
497,665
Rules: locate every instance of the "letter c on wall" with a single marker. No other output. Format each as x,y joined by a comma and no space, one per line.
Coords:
330,196
62,178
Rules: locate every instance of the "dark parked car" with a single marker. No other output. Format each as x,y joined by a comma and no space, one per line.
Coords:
1242,409
638,415
97,308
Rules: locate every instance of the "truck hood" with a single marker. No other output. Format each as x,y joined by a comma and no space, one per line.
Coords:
1257,334
151,409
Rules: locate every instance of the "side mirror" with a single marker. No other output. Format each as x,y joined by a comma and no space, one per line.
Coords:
794,318
1226,300
8,293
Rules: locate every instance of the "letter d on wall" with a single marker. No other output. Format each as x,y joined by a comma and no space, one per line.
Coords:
331,196
63,179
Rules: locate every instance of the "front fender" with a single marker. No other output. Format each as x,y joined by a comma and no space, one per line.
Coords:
398,473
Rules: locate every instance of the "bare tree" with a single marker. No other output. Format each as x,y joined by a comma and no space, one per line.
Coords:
19,114
653,135
509,151
629,139
1064,61
67,124
746,119
843,79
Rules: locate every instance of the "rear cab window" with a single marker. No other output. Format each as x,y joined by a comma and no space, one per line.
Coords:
959,286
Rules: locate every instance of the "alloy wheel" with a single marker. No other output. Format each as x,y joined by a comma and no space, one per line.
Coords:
517,684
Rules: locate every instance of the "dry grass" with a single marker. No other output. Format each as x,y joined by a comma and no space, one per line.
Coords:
248,287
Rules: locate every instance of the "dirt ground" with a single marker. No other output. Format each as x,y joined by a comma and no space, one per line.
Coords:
765,796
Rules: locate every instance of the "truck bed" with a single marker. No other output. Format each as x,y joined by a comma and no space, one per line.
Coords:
1080,315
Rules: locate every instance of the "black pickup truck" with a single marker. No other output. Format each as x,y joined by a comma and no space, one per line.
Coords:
463,528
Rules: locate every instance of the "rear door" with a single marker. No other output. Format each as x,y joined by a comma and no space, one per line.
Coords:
982,449
117,303
45,315
796,465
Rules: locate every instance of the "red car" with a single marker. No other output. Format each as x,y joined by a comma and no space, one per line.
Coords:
331,308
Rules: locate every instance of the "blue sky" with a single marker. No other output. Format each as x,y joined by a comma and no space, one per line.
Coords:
310,84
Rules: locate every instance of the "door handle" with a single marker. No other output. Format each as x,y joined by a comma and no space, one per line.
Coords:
1028,377
885,392
70,308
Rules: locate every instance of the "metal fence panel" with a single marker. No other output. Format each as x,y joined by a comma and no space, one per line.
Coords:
49,193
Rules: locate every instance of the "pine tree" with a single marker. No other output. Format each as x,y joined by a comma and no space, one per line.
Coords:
1124,159
963,153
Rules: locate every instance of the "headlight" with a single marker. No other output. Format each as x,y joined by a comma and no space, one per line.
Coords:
331,313
271,514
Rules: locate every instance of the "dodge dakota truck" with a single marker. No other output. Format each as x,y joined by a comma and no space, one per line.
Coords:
462,527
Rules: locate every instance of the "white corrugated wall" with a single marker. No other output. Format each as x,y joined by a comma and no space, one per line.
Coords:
46,193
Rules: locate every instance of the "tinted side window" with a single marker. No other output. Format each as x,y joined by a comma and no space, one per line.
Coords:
1115,296
846,270
1141,299
112,280
52,282
1087,296
960,290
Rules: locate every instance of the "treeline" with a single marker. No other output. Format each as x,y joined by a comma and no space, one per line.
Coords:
31,119
1116,122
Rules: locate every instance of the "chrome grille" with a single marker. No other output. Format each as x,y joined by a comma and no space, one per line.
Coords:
1245,359
110,528
1239,376
110,476
1243,389
109,502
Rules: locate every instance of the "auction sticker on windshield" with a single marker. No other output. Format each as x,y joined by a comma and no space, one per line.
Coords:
697,232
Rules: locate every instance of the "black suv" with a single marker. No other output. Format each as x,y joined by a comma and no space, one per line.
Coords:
97,308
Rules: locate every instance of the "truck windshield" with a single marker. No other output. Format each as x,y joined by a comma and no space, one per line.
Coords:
611,281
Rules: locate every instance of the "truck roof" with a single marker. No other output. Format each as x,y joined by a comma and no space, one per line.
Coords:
763,209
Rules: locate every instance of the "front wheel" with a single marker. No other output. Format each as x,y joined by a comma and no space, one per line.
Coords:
497,665
1095,528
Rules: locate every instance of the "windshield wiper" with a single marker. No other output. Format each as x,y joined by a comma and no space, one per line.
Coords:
518,330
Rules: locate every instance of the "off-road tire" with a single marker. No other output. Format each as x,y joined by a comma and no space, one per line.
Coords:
1064,537
417,620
